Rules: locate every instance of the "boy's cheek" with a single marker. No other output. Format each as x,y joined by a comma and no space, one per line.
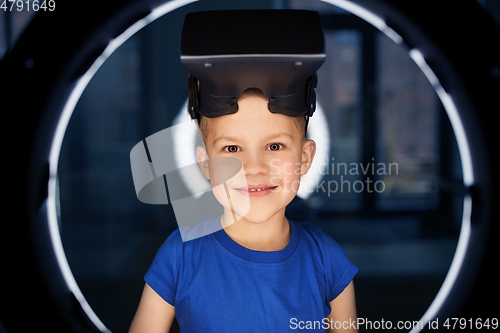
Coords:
291,185
275,181
284,168
224,192
288,184
221,195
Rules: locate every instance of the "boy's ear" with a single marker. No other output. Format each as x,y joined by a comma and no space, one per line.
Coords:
308,151
203,162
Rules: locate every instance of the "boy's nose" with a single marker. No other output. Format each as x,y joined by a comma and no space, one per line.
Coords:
255,165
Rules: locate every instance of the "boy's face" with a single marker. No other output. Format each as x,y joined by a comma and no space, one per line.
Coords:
272,150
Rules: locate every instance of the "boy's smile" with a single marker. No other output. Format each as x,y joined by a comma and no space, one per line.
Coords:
256,191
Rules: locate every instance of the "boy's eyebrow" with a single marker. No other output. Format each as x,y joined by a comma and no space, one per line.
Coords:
225,137
269,137
278,135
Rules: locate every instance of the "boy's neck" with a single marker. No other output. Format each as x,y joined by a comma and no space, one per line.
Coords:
272,235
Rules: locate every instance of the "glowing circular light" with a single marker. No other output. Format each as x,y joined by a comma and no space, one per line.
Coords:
318,132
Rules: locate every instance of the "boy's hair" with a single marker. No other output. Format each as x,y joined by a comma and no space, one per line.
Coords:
204,122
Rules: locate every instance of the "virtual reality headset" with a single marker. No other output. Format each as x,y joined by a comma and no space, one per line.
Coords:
229,51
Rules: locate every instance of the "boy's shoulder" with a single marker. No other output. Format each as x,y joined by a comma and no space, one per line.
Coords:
316,237
170,245
185,235
177,250
338,269
314,232
189,236
307,227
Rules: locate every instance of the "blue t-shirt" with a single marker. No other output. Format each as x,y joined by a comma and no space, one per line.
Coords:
217,285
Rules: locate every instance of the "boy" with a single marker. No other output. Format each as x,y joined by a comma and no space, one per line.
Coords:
262,273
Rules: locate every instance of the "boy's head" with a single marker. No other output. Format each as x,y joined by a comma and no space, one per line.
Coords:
272,149
279,52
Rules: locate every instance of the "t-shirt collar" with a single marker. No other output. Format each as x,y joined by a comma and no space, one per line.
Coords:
260,256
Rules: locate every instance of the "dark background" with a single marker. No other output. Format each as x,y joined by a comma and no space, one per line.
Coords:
378,107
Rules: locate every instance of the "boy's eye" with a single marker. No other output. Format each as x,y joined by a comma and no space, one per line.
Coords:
275,146
231,149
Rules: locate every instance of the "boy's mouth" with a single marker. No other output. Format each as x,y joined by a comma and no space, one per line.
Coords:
256,190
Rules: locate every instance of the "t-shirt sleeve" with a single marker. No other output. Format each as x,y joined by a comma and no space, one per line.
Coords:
339,270
163,273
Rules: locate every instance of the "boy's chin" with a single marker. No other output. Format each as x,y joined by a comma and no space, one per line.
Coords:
256,216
